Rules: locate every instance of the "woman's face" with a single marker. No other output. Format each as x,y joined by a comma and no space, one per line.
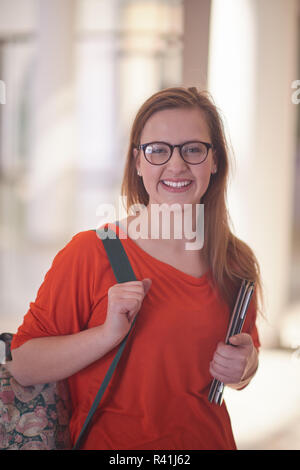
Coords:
175,126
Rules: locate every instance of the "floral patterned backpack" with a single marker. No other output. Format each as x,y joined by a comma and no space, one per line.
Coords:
35,417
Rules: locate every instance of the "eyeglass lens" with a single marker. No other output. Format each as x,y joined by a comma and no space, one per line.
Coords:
192,152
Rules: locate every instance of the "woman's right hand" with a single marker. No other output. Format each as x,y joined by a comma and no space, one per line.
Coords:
54,358
124,302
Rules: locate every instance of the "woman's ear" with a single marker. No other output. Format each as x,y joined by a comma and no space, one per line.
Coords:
137,160
214,165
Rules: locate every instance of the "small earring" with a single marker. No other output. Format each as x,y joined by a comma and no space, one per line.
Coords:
139,173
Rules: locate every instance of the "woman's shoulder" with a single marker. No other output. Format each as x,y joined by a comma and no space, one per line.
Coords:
83,241
85,238
83,248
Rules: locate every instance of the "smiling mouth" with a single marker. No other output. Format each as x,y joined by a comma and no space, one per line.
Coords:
176,186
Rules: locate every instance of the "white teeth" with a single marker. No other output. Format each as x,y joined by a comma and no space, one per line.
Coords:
176,185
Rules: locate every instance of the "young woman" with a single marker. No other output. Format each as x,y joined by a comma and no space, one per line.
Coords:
158,397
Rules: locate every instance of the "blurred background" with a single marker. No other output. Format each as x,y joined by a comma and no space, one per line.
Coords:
72,76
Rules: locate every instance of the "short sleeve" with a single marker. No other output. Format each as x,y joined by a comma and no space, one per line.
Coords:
64,300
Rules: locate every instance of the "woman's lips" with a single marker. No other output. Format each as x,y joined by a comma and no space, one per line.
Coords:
174,189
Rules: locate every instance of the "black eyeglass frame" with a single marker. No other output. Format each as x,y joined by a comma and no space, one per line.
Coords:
172,147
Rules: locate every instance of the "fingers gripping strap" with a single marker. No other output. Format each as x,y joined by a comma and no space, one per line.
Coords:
123,273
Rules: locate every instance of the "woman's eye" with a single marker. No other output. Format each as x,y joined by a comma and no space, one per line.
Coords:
192,149
151,149
158,150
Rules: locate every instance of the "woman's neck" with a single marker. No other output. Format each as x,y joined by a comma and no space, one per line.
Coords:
176,228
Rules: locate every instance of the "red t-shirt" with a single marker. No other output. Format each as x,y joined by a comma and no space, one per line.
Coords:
157,398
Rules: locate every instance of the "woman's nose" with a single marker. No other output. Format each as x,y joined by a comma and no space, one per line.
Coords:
176,161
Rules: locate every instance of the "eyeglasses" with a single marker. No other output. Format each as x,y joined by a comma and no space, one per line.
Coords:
159,153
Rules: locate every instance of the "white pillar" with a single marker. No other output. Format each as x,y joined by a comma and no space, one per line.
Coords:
253,62
97,155
50,173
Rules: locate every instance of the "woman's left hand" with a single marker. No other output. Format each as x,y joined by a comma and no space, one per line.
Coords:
235,364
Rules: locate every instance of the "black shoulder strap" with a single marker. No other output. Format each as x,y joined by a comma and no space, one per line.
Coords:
116,255
123,273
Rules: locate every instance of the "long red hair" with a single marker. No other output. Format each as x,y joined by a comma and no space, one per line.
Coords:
229,258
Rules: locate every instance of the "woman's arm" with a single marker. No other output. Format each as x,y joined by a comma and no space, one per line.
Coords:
48,359
52,358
